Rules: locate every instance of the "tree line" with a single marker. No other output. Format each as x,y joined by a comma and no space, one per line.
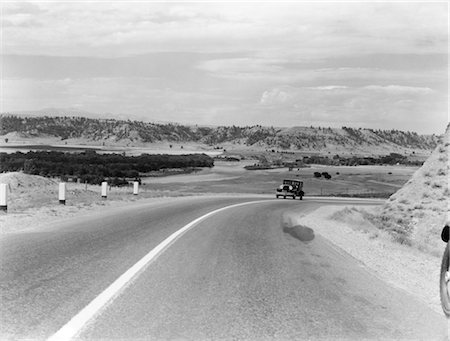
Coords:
391,159
94,168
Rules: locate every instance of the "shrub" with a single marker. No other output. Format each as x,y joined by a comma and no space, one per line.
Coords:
401,238
117,182
436,185
326,175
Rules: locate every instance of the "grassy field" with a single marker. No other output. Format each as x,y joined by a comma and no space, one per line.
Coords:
27,192
231,177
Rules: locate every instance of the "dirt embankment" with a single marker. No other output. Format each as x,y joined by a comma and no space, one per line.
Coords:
33,200
416,213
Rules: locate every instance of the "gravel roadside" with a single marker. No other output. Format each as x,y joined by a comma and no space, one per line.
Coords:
399,265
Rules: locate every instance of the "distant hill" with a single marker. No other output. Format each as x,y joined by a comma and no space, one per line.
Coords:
336,140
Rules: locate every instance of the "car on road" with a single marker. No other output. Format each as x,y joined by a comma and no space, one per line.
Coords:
290,188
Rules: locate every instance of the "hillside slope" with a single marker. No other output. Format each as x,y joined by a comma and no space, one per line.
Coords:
333,140
416,213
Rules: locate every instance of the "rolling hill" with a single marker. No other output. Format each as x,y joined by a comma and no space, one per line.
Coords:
343,140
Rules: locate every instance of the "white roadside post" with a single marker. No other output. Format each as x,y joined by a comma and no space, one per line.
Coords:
135,188
3,197
62,193
104,189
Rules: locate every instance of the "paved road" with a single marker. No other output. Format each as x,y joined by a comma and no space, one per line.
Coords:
236,275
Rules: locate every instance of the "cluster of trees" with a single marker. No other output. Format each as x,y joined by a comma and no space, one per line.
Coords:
406,138
355,134
391,159
326,175
94,168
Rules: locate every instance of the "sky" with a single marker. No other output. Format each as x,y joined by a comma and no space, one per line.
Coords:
380,65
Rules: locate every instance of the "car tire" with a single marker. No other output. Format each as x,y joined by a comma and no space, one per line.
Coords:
443,283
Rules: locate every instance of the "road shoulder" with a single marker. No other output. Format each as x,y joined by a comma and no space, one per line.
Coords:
399,265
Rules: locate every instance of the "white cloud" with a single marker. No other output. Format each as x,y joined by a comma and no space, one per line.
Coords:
400,89
328,87
274,96
20,7
302,29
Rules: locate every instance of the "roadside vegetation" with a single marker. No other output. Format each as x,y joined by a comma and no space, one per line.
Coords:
93,168
390,159
267,161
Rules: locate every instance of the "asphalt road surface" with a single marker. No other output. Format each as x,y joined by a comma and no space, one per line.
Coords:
241,273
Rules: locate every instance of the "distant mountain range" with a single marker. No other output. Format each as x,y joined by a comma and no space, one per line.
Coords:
137,132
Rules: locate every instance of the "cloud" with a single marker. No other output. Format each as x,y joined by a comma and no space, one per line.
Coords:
305,30
329,87
255,70
307,62
242,68
400,89
368,106
274,96
22,7
21,15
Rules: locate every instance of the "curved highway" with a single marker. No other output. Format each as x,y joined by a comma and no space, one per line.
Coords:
241,273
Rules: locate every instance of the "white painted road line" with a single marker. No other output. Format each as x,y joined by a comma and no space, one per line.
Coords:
75,325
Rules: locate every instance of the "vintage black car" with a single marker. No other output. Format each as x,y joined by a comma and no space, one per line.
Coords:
290,188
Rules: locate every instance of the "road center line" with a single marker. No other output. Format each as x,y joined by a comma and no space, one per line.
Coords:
74,326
